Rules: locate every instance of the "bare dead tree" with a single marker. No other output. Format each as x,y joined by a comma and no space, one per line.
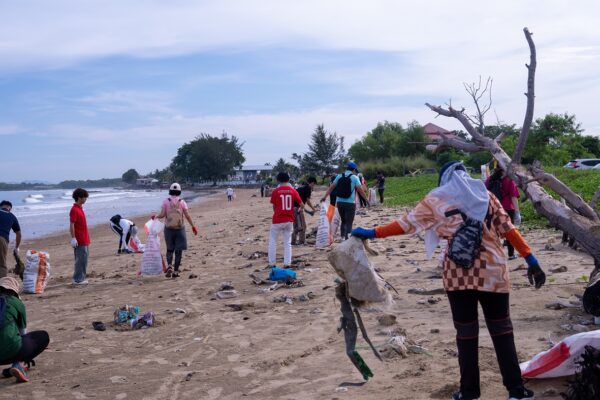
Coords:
575,217
477,92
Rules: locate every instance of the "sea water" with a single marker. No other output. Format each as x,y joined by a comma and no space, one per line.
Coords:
45,212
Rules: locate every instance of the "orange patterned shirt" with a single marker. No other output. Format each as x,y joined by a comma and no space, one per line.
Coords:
490,272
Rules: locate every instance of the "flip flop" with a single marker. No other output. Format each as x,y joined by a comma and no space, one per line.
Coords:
99,325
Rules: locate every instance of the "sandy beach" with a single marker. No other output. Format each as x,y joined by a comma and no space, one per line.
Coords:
268,350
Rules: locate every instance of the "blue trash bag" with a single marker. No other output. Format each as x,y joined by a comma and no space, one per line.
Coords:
280,274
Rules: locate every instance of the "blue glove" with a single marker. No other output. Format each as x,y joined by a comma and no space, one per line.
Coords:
363,233
534,272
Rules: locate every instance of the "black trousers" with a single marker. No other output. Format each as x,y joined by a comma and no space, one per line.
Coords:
509,247
33,344
497,318
347,211
380,195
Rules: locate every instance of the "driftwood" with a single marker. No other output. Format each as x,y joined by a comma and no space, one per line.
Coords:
576,217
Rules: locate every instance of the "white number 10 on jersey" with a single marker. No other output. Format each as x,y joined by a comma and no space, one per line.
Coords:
286,201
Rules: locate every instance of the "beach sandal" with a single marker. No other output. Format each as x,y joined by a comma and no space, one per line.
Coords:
6,373
99,326
169,272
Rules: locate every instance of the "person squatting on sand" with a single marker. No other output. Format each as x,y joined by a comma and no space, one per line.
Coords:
174,209
17,347
305,191
283,199
484,281
8,221
347,186
80,237
125,230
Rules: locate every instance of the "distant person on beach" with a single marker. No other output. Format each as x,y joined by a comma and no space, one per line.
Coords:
80,237
17,347
471,275
507,192
230,193
126,230
262,190
174,209
299,234
8,222
380,185
347,186
283,199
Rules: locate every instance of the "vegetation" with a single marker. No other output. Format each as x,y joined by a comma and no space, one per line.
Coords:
283,166
90,183
208,158
387,140
130,176
408,190
325,153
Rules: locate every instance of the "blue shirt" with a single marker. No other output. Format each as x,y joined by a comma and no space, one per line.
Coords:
7,222
354,182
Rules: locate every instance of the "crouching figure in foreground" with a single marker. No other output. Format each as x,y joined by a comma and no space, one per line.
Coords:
462,211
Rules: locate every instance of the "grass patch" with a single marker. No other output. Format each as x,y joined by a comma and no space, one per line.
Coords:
406,191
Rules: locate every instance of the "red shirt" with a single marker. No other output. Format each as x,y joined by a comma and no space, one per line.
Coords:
77,217
283,198
509,189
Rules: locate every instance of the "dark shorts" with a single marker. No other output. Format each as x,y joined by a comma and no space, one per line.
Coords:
175,239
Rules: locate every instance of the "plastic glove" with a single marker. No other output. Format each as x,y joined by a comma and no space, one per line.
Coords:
195,231
517,218
535,274
363,233
74,243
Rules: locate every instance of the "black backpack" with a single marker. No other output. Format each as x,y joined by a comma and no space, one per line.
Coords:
465,245
344,187
495,186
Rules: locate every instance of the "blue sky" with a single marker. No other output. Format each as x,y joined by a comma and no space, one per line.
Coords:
90,89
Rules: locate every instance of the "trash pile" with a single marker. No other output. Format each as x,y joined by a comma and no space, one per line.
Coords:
129,316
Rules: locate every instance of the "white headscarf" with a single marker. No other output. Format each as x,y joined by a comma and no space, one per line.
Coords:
458,190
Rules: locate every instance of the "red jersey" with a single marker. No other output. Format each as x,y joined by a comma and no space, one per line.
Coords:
77,217
283,198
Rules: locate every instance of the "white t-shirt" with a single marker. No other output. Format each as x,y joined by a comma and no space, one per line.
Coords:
229,192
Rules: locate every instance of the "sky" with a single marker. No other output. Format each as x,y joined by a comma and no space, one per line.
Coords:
89,89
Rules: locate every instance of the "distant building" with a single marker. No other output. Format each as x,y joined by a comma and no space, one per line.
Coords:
149,182
250,173
433,132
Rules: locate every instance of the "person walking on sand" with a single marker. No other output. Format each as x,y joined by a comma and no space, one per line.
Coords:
507,192
80,237
299,235
283,199
8,222
475,269
380,185
230,193
346,185
17,347
174,209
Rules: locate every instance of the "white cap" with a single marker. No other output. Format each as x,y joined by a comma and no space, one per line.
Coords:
175,186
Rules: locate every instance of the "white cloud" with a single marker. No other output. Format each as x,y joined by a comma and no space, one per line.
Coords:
10,129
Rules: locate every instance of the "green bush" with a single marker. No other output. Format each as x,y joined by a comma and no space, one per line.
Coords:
408,190
396,166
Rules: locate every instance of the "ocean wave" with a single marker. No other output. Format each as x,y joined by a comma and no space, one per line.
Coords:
31,200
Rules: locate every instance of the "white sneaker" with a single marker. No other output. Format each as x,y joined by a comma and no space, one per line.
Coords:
85,282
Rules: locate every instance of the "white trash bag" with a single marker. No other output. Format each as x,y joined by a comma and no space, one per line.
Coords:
323,238
561,359
372,197
350,261
153,262
37,272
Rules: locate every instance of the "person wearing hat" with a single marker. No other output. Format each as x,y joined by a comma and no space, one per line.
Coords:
174,209
346,185
8,222
16,346
457,201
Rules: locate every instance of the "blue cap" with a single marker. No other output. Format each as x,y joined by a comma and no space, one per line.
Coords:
352,166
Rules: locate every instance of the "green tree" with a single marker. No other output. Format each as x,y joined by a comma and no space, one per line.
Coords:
208,157
130,176
411,141
283,166
325,153
378,144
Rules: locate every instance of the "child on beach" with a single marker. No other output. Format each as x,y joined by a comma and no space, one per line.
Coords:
283,199
230,194
80,237
16,346
174,209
